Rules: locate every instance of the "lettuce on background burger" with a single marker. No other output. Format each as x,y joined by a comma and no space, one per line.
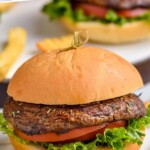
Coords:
108,21
80,99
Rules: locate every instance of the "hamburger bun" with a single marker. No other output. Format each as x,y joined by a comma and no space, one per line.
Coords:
111,33
20,146
77,76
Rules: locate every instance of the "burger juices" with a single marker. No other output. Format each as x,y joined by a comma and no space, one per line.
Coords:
80,99
108,21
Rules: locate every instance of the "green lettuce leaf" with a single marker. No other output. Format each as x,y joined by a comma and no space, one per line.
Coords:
115,138
4,127
63,8
57,9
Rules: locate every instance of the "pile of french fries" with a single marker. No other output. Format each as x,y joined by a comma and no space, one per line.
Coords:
13,49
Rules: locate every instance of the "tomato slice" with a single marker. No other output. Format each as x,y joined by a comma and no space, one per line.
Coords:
100,12
81,134
132,12
92,10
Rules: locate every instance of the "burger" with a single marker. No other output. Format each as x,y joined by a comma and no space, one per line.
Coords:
108,21
80,99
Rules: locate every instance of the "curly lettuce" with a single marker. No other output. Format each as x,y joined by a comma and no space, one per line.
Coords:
115,138
57,9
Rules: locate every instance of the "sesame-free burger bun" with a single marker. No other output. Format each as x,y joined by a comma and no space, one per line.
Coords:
111,33
77,76
19,146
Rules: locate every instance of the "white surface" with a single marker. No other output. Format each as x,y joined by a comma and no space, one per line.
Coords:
28,15
7,1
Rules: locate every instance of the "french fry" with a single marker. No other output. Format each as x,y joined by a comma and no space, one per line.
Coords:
48,45
6,6
15,45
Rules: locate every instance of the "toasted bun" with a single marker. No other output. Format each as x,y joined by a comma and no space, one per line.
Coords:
19,146
6,6
111,33
77,76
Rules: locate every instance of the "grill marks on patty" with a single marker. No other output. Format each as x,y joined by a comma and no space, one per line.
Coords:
39,119
118,4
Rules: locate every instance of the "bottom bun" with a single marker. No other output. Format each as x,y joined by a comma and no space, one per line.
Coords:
111,33
20,146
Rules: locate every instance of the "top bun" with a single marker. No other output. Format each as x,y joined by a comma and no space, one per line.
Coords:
77,76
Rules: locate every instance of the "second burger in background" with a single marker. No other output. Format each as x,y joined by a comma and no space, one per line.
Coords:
108,21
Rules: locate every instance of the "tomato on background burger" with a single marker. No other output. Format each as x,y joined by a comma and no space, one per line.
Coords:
108,21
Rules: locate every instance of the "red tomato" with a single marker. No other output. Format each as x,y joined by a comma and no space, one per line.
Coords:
132,12
101,12
92,10
82,134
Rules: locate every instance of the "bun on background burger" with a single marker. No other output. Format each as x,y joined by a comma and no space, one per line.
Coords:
76,99
107,21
